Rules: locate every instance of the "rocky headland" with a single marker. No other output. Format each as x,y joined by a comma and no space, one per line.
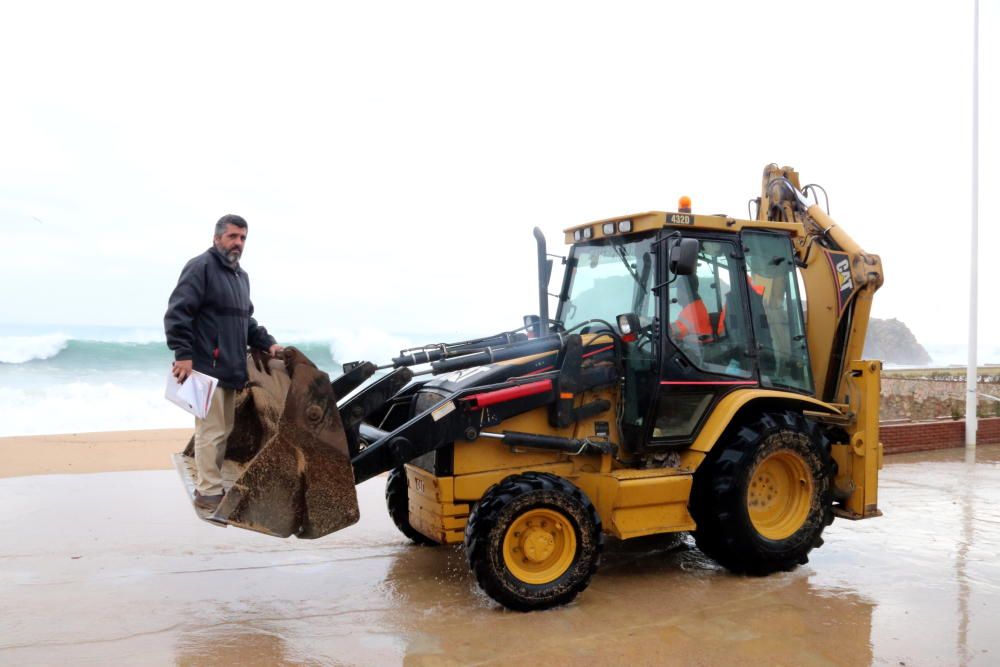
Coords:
893,342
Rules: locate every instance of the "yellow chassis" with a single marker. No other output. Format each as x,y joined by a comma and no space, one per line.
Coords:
631,503
636,502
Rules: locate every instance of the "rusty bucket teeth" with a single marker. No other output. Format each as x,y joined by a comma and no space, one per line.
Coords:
300,482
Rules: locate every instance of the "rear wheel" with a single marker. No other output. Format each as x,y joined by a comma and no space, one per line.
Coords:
533,541
397,501
762,502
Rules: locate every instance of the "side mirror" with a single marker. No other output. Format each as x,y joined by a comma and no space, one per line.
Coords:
683,257
628,323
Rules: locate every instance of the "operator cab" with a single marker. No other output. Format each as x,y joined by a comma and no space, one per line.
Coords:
734,321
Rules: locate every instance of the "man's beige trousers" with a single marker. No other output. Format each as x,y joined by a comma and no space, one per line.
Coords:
210,435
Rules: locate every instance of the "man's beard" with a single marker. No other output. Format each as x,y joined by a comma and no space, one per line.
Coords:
232,256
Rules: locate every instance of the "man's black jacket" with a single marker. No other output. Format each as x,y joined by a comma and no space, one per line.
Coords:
209,319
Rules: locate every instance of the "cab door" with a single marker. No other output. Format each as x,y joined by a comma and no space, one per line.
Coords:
707,346
776,312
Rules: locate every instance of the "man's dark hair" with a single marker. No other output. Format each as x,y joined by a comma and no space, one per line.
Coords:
230,219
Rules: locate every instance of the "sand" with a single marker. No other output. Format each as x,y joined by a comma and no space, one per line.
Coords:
115,451
116,568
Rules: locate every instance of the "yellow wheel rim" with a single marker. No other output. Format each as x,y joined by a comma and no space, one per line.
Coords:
539,546
780,495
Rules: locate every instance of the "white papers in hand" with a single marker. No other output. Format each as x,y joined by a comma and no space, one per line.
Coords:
194,394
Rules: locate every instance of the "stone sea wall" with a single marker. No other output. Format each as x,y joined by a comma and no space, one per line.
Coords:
931,398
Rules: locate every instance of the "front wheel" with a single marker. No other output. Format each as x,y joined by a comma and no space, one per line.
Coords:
533,541
762,502
397,501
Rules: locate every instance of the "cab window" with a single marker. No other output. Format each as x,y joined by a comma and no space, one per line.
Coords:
776,312
609,279
706,313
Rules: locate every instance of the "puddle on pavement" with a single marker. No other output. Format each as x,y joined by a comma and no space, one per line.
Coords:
115,567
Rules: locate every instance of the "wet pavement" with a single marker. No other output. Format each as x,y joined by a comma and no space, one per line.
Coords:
114,568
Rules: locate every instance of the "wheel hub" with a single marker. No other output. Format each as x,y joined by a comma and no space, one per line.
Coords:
539,546
779,495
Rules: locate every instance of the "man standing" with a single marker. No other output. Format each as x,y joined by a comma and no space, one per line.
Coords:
209,323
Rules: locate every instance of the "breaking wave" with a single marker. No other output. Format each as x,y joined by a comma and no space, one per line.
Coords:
366,344
113,380
20,349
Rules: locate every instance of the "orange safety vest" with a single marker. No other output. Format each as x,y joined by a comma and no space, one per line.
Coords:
693,319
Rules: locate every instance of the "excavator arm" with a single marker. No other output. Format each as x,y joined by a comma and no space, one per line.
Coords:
840,281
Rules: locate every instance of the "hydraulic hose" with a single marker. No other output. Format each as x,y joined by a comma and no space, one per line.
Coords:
490,355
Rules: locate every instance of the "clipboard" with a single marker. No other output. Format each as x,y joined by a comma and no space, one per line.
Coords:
194,395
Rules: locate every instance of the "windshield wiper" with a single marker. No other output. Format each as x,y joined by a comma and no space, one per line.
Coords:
647,265
620,249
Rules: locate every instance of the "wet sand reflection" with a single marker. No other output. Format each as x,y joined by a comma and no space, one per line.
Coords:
115,568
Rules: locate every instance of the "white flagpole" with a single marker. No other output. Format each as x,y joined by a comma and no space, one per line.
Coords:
971,374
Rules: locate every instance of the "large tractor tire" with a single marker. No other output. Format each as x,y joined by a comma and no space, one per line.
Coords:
397,500
533,541
762,501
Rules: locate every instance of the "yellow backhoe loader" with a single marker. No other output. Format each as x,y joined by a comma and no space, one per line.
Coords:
701,373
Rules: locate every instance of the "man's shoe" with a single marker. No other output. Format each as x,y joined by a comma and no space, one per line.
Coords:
207,502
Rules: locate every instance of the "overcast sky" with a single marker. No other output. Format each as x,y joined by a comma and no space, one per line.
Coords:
392,157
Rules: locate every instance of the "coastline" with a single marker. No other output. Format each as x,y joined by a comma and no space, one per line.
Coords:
121,451
108,451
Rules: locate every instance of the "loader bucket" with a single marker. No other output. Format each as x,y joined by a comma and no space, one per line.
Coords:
287,456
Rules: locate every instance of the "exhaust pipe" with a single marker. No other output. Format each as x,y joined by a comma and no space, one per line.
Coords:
544,273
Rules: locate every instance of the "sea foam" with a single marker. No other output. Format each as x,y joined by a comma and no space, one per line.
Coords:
19,349
76,407
366,344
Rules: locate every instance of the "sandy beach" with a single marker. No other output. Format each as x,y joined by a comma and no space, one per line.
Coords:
113,451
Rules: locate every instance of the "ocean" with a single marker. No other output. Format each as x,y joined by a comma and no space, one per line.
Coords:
72,379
